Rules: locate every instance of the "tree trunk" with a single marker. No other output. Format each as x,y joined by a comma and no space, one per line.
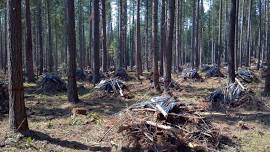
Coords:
169,40
39,8
241,35
104,38
90,35
5,44
96,39
50,50
249,35
28,45
236,36
80,32
260,36
17,112
2,57
138,42
71,43
220,48
193,55
155,43
267,78
197,51
146,60
231,65
162,35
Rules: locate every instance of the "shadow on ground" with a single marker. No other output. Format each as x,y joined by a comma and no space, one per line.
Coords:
39,136
259,117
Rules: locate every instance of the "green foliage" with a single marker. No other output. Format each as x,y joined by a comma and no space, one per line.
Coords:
96,118
29,143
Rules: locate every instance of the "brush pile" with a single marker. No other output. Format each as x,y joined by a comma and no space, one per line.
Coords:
113,85
190,73
246,75
3,98
162,124
173,84
121,74
213,71
235,96
51,84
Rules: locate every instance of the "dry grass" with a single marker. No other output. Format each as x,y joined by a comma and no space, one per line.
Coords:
57,129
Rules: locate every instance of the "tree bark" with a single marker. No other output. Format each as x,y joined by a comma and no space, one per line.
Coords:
138,42
39,14
80,32
169,40
162,36
17,112
249,35
155,44
50,49
220,48
104,38
71,43
260,36
28,45
231,65
96,39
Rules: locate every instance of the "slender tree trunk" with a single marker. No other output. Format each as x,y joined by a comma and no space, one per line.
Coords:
90,34
5,44
155,44
132,38
2,57
236,36
39,7
197,53
50,50
169,40
104,38
231,66
260,36
220,52
267,78
138,42
162,35
71,42
80,32
17,112
241,35
193,55
249,35
146,37
96,39
28,45
177,35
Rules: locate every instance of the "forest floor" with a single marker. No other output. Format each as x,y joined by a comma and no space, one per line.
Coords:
57,129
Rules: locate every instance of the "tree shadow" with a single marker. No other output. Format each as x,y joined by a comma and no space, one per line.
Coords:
107,105
39,136
262,117
48,113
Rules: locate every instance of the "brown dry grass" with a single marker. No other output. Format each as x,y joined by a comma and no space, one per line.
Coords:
57,129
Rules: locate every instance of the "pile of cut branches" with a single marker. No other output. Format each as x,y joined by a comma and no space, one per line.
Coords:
51,84
162,124
235,96
190,73
112,85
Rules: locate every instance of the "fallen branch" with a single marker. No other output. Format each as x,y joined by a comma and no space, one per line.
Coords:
164,127
240,84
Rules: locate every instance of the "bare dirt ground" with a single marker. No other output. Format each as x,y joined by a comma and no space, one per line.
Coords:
57,129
